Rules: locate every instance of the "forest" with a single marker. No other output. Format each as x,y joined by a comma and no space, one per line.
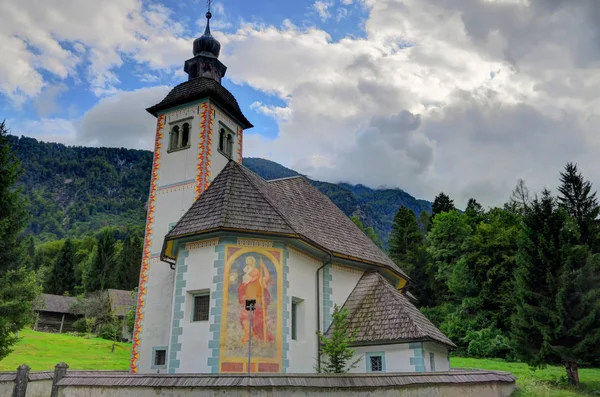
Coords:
519,282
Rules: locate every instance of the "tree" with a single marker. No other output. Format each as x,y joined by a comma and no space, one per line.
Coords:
62,277
336,347
519,198
369,231
441,203
129,262
18,286
408,251
13,213
101,266
474,212
577,198
556,289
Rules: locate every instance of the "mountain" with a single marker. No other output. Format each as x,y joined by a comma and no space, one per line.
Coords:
75,190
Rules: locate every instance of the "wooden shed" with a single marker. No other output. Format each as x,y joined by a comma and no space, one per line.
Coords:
55,314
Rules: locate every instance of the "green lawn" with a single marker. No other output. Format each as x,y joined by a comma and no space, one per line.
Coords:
539,383
42,351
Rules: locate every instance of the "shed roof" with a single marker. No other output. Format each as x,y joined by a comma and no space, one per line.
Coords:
199,88
56,304
379,314
239,199
120,301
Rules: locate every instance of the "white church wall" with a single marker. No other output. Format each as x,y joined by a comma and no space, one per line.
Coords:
302,280
396,358
192,344
440,357
344,279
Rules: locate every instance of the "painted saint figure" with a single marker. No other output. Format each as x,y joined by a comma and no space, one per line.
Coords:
255,285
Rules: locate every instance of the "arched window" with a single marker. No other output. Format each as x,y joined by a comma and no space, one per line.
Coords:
185,138
222,140
175,137
229,145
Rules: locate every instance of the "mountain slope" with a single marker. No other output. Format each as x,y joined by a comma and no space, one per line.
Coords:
75,190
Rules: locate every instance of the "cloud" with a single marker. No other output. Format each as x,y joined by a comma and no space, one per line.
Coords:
322,8
46,102
115,121
440,95
58,39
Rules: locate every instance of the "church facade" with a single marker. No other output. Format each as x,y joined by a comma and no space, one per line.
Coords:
218,235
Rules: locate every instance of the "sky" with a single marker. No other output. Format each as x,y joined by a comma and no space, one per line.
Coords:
460,96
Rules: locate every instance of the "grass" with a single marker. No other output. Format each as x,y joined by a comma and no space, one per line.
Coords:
548,382
42,351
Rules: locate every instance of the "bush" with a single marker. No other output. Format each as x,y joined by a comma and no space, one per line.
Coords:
84,325
109,332
489,342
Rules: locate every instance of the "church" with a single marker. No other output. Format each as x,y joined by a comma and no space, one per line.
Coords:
220,240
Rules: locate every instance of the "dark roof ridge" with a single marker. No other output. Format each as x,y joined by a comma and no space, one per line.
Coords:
262,193
285,178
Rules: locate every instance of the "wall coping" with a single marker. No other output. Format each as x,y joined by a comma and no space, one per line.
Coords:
370,380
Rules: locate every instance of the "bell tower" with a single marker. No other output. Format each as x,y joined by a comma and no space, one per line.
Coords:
199,129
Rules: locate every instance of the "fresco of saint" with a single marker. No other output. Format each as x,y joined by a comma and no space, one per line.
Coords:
255,285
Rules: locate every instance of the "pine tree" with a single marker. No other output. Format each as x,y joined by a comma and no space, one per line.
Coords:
556,289
129,262
62,277
441,203
577,198
18,286
101,267
13,213
474,212
408,251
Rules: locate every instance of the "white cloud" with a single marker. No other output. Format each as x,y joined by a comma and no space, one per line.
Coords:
322,8
277,112
494,99
347,2
46,101
36,37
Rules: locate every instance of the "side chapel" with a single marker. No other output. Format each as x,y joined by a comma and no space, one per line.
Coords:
218,234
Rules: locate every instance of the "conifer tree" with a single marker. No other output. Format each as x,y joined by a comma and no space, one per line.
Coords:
129,262
441,203
101,267
408,251
577,198
18,286
556,289
62,277
474,212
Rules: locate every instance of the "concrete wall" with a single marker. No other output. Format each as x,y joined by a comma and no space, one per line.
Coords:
6,388
39,388
472,390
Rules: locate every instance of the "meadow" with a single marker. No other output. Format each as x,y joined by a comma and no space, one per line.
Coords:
42,351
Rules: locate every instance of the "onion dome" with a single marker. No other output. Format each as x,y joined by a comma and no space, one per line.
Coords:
207,45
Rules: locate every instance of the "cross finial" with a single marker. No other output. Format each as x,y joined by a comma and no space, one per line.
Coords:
208,6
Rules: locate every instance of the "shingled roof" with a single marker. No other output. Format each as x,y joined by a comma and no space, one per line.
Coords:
55,303
120,301
380,314
239,199
199,88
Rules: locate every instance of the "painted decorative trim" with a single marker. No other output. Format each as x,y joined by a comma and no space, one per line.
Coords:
255,242
154,349
139,315
327,300
311,258
347,269
368,361
204,149
175,186
239,142
216,303
178,310
202,244
287,307
418,358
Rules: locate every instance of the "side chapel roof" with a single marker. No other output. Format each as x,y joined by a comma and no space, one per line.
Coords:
239,199
381,314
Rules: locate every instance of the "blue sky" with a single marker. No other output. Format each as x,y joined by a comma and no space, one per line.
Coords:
464,97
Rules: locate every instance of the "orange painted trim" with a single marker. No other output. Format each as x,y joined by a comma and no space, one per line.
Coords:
141,300
240,136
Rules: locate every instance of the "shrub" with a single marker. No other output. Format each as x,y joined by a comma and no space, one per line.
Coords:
109,332
488,342
84,325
